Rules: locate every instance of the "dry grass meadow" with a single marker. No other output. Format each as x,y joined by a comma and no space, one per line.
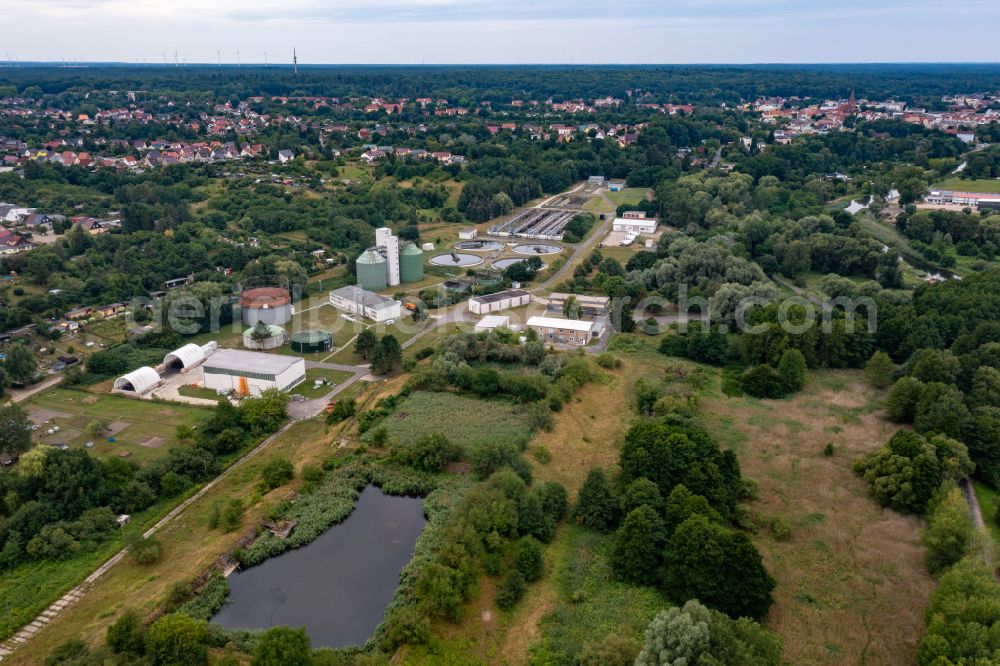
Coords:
852,585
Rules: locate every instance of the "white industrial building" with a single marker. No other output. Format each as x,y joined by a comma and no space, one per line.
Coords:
356,301
389,246
634,225
251,373
467,234
491,322
502,300
564,331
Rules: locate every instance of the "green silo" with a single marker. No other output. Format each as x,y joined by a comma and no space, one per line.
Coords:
411,264
372,273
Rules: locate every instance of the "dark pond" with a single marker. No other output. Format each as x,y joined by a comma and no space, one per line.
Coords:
339,585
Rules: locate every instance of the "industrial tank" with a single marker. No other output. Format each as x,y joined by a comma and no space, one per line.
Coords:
411,264
372,274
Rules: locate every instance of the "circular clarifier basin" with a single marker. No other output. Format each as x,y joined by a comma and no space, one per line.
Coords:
510,261
534,249
457,259
479,246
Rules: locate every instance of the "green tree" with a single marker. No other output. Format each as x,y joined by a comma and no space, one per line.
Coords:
365,344
792,370
762,381
985,388
720,567
15,430
512,589
638,547
641,492
283,646
901,403
693,634
265,413
963,615
20,364
879,369
177,640
597,506
528,558
949,531
571,308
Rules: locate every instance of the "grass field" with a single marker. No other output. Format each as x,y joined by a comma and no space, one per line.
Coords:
630,195
190,391
131,423
463,420
971,185
852,583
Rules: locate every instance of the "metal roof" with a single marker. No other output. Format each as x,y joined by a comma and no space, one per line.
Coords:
189,355
238,359
564,324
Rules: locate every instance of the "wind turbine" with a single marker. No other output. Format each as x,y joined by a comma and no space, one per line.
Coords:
265,59
295,61
237,57
218,54
176,61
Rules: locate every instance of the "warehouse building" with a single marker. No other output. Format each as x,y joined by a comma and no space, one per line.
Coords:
356,301
502,300
251,373
564,331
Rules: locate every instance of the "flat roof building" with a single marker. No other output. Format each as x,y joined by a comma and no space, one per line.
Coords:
502,300
356,301
635,225
563,331
490,322
250,372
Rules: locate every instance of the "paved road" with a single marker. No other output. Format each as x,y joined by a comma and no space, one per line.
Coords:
307,409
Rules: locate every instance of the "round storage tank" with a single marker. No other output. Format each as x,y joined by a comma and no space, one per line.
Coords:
266,337
372,274
271,305
310,342
411,264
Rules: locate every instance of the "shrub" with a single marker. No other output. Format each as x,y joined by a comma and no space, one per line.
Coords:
144,551
342,409
528,559
177,640
762,381
283,646
276,473
431,453
232,516
608,360
512,589
126,635
541,454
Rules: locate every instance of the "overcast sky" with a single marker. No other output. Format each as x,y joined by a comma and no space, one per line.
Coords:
503,31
